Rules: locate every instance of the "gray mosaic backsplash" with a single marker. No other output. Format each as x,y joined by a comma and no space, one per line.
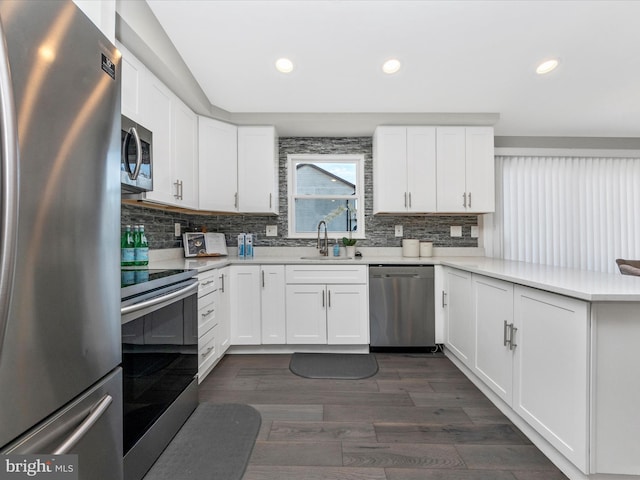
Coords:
379,230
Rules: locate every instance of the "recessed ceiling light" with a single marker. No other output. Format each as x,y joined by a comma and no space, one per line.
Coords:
284,65
547,66
391,66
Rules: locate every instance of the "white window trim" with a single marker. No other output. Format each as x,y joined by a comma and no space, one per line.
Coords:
325,158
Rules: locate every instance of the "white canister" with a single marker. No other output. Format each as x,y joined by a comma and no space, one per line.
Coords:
410,248
426,249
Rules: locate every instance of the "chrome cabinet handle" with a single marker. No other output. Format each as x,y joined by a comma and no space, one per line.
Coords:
505,340
270,200
329,296
469,199
512,337
222,283
235,200
96,412
207,283
405,199
181,190
323,299
177,194
125,153
9,184
464,200
409,199
207,352
444,295
262,278
205,314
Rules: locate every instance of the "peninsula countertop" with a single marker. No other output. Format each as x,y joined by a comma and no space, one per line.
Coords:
581,284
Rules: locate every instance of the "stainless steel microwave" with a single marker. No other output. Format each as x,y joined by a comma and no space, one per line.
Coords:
136,164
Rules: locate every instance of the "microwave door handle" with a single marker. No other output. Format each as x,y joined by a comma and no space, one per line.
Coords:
125,153
9,168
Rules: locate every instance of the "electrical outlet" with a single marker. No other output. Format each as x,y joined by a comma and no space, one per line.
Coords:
177,229
474,231
272,231
398,230
456,230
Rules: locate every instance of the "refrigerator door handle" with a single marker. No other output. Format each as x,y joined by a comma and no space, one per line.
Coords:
9,186
125,153
96,412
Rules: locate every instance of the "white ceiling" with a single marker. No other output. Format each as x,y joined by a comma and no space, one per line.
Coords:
469,57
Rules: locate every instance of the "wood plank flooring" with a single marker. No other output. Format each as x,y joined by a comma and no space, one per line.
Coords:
419,417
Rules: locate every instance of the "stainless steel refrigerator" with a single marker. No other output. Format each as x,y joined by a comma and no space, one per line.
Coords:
60,380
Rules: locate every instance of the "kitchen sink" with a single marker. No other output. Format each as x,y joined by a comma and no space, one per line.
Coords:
322,257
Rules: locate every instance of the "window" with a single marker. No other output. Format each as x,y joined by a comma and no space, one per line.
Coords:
329,188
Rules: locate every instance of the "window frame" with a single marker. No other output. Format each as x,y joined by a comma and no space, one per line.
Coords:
359,196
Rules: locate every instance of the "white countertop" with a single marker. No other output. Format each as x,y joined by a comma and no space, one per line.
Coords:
582,284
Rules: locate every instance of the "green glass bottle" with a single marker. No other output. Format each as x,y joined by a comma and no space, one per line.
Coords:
141,247
127,252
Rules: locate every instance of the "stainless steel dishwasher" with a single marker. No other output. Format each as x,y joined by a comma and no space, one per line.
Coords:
401,307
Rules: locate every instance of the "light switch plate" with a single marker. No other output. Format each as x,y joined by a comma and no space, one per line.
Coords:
272,231
456,230
398,230
177,231
474,231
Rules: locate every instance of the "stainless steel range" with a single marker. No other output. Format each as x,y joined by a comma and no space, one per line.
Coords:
159,361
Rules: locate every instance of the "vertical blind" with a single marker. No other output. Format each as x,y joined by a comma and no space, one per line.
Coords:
576,212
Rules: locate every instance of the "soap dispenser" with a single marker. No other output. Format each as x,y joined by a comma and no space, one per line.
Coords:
336,249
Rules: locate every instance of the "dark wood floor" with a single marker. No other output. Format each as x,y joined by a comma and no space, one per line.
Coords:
419,417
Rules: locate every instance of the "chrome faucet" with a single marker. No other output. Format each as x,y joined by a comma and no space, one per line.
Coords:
325,249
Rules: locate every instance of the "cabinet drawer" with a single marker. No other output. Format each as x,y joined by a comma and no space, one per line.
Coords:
207,347
208,282
207,317
296,274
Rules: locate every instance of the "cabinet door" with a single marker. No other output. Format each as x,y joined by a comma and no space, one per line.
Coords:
185,154
480,167
306,314
133,72
245,305
224,311
347,315
257,170
390,193
158,117
493,306
460,323
218,165
551,389
451,154
421,169
273,305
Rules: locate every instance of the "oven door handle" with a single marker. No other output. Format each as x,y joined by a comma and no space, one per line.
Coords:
193,288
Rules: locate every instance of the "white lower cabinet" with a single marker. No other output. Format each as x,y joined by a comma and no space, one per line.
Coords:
224,311
493,317
551,369
335,312
272,298
245,305
531,348
460,328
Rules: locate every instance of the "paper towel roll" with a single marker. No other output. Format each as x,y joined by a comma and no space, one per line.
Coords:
410,248
426,249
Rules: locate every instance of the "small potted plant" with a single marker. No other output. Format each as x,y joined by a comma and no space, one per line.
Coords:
350,246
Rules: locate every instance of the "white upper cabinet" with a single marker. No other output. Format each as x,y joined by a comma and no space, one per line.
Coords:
218,165
148,101
174,129
257,170
465,170
404,169
133,73
238,168
433,169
